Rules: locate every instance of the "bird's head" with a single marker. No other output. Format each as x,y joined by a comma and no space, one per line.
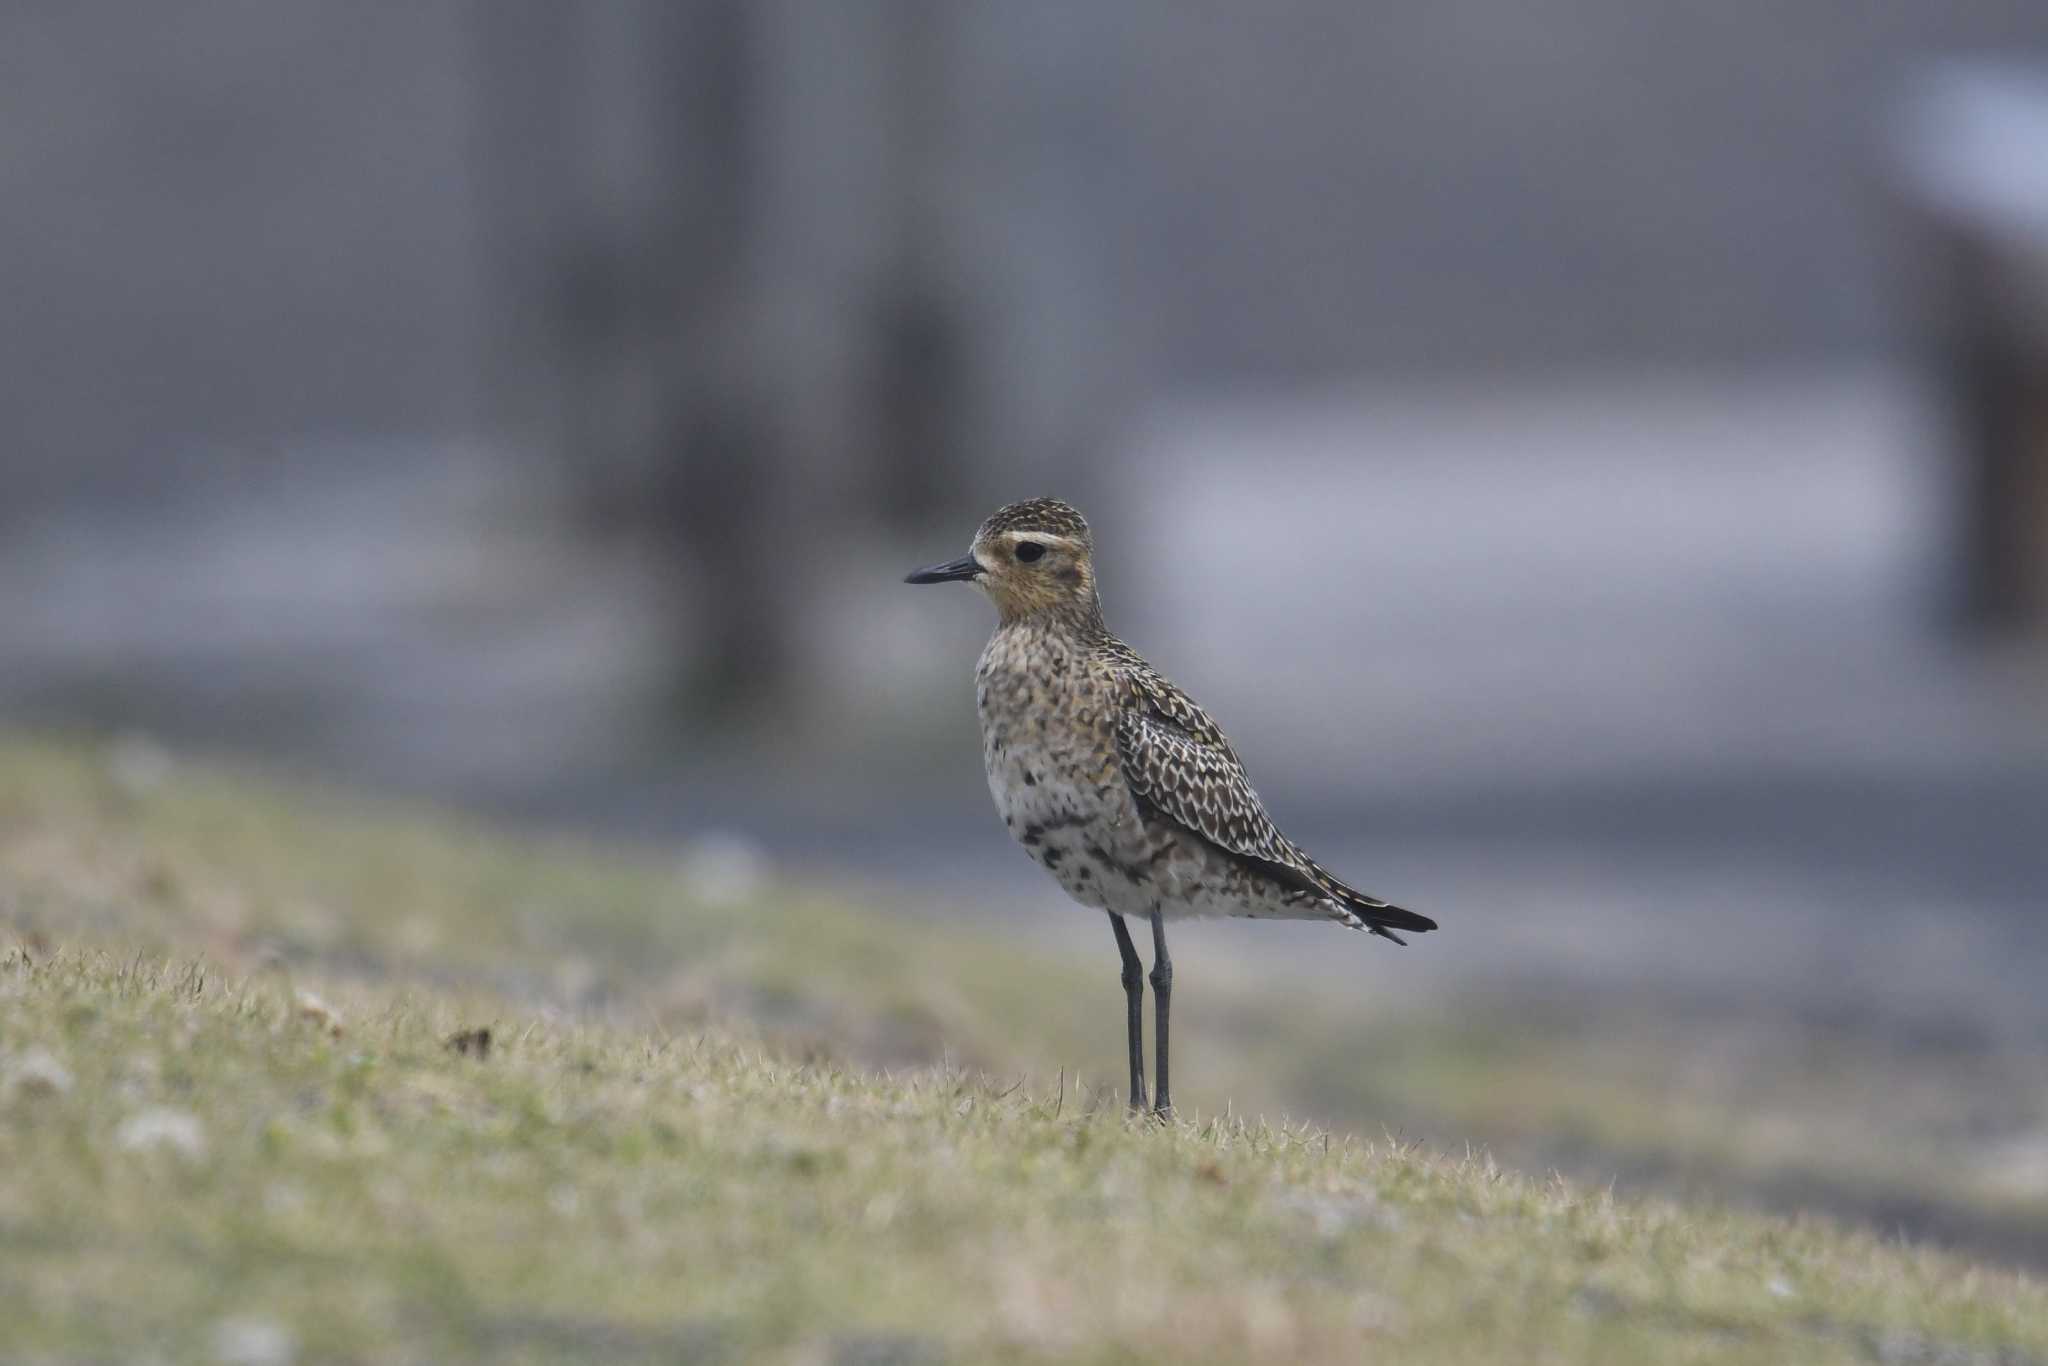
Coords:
1031,558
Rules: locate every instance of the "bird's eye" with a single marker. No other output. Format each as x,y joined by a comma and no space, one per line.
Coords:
1028,551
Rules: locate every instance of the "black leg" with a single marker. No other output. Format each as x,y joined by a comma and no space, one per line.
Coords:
1162,1001
1134,1001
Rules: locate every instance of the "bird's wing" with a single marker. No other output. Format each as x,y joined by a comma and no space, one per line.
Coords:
1178,762
1180,766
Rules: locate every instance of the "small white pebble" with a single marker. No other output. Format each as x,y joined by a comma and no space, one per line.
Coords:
35,1073
138,765
1781,1288
725,869
175,1130
880,1211
247,1340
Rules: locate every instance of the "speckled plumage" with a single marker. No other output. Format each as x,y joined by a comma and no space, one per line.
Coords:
1047,515
1112,778
1122,787
1117,782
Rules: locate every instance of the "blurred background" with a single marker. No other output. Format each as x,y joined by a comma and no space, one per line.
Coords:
1592,457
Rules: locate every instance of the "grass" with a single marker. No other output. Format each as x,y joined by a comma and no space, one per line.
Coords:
233,1127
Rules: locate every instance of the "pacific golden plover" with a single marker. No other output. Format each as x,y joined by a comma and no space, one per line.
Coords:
1112,778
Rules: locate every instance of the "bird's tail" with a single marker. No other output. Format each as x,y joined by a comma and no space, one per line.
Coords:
1369,913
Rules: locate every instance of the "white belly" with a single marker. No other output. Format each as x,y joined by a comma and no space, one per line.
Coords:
1080,833
1105,854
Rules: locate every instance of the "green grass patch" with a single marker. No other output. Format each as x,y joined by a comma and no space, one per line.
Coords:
777,1126
209,1167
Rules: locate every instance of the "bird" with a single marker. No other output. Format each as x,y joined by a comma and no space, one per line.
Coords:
1114,780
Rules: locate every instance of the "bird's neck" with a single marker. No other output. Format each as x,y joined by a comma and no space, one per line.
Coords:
1078,615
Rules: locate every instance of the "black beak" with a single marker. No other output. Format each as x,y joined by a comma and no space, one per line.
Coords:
966,567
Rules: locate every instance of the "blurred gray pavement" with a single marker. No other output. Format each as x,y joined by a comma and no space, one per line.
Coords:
1639,676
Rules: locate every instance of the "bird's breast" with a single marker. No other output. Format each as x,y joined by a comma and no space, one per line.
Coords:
1045,717
1048,732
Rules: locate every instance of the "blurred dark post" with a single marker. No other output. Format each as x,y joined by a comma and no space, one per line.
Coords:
619,180
1994,352
920,365
717,467
1977,188
779,281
